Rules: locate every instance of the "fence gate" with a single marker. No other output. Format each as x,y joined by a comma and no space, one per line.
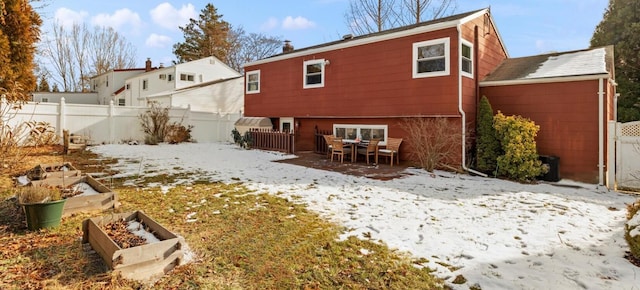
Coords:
628,155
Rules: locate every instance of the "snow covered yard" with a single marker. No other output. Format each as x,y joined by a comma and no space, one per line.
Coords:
497,234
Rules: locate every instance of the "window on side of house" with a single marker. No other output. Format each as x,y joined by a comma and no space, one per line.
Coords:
169,77
145,84
364,132
45,100
121,102
162,76
431,58
253,82
313,74
466,61
187,77
127,86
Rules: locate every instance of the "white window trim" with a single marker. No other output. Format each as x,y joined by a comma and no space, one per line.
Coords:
145,84
286,120
304,73
362,126
447,58
256,72
464,73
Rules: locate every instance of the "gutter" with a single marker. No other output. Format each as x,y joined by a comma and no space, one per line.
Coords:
461,110
601,132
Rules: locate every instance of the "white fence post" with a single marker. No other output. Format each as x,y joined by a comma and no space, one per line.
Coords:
611,155
61,116
111,123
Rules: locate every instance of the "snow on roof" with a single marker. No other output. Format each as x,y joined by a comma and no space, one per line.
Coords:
571,64
554,65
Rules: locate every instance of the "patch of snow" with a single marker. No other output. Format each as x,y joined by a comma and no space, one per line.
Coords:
85,189
571,64
496,233
23,180
138,229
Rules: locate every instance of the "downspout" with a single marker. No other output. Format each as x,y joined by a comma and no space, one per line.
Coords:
461,110
601,132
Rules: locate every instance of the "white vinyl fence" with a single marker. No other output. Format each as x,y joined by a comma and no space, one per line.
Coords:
107,124
627,148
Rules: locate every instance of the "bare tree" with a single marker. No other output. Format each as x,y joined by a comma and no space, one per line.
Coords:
416,11
249,47
369,16
77,53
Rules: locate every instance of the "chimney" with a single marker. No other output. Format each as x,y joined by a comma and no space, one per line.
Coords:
147,65
287,46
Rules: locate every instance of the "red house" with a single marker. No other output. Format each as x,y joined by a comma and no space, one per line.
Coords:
367,85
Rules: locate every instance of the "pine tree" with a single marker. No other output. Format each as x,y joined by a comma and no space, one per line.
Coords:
19,32
487,144
206,36
43,86
620,26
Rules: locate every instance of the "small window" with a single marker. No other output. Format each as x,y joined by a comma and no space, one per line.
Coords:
431,58
466,55
127,86
45,100
187,77
162,76
169,77
121,102
106,80
314,73
253,82
145,84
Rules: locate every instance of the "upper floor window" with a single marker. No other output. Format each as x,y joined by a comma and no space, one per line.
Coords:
127,86
169,77
431,58
162,76
121,102
253,82
145,84
466,61
187,77
313,73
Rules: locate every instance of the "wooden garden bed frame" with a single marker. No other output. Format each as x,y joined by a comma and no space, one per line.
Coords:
143,263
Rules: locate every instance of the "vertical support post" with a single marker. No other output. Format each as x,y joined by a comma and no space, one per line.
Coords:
611,155
62,111
111,122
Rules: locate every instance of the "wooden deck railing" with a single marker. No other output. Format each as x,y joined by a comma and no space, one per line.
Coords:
320,146
272,140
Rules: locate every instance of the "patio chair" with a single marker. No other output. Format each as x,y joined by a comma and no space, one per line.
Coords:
329,140
337,148
392,150
370,150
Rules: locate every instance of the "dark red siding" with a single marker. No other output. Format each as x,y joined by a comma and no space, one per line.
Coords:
567,114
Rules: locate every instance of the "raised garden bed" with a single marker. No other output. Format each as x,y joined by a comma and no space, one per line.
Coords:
83,193
143,262
52,170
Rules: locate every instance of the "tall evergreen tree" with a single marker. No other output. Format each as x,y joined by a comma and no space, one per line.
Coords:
620,26
203,37
19,32
487,144
43,86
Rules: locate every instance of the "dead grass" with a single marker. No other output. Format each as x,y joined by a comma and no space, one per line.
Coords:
240,240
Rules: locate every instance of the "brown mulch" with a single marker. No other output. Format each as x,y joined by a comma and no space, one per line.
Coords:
382,171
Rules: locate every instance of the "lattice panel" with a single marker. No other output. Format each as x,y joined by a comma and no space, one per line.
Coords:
631,130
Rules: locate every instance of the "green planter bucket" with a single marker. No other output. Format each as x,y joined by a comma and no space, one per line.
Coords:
44,215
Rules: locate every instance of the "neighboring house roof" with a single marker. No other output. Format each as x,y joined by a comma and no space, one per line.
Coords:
588,63
347,41
184,89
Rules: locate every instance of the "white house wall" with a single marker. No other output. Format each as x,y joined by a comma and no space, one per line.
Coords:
225,97
115,79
